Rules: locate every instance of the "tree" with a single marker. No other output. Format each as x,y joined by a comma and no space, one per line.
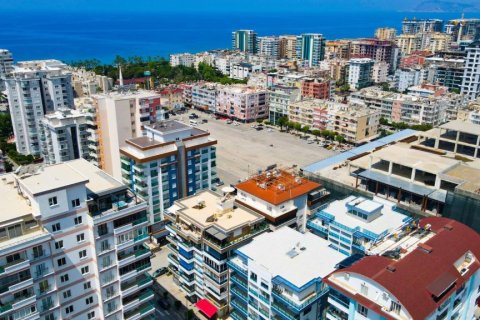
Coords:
297,126
383,121
282,122
259,120
340,138
345,88
290,125
316,133
305,129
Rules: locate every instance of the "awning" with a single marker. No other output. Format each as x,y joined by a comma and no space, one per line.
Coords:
206,307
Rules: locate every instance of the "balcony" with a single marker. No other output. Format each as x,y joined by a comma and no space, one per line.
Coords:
297,306
239,282
235,265
284,313
140,312
14,266
220,246
134,255
133,301
238,293
335,314
138,283
126,204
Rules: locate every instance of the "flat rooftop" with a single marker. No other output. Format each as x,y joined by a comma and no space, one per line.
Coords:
312,258
468,176
13,205
389,220
52,177
277,186
99,182
462,126
202,214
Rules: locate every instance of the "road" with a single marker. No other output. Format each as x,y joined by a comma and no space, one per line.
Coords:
242,150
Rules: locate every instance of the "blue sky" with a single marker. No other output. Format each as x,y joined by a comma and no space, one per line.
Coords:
238,5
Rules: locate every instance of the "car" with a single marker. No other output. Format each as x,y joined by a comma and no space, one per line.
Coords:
219,183
157,273
204,121
259,128
229,121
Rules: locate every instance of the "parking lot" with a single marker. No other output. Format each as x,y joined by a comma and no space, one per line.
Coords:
242,150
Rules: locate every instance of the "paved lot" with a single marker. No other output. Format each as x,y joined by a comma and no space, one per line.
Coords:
242,150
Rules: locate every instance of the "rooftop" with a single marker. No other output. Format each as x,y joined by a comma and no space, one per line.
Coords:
462,126
13,205
276,186
444,256
207,208
294,256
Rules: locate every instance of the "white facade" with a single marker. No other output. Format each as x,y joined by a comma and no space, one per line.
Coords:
269,46
6,66
182,59
405,78
471,76
380,72
243,70
204,96
360,72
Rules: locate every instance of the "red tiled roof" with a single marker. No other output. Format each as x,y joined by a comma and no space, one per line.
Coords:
420,272
278,188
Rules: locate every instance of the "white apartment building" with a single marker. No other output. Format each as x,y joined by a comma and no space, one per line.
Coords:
243,70
64,136
360,73
471,76
182,59
393,286
6,66
72,246
279,275
121,116
280,97
204,96
380,72
405,78
35,88
268,46
205,229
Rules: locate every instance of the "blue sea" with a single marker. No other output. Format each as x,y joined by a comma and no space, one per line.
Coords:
74,36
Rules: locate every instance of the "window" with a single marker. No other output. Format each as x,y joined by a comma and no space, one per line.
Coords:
37,252
56,227
61,261
91,315
395,307
78,220
362,310
59,244
87,285
50,316
67,294
84,270
69,309
64,278
89,300
253,276
52,201
76,203
82,254
80,237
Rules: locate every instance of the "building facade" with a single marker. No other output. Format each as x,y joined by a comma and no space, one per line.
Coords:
6,66
414,26
269,46
287,47
280,97
310,47
204,96
360,72
242,103
386,33
245,41
471,76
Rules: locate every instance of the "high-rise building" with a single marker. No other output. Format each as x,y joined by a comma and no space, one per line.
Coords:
310,48
393,286
36,88
280,275
360,72
245,41
72,246
471,75
414,26
377,50
205,229
64,136
6,66
386,33
121,116
462,29
172,161
288,47
268,46
445,71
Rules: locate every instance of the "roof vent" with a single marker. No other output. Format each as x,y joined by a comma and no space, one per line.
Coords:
425,248
448,227
391,268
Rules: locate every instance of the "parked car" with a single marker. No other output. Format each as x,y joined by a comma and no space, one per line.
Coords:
219,183
157,273
259,128
229,121
204,121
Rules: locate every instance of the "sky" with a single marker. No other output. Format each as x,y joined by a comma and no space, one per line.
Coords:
239,5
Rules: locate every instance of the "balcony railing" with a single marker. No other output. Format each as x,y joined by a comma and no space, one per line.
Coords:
255,231
297,305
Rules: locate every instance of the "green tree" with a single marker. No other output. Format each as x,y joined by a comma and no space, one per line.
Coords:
340,138
297,126
290,125
282,122
316,132
305,129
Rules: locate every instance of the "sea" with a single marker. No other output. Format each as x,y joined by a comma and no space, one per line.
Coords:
74,36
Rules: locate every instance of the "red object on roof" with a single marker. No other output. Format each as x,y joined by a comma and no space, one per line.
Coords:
423,279
206,307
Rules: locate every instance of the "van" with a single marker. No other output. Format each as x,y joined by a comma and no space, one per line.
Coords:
193,123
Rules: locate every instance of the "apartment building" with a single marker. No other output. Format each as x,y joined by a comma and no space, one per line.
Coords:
72,246
204,96
405,78
245,41
380,72
433,42
357,225
310,48
205,229
242,102
64,136
445,71
406,108
35,88
281,196
268,46
317,88
279,98
243,70
172,161
85,83
182,59
360,72
6,66
462,29
287,47
386,33
414,26
376,49
471,75
171,97
392,286
278,276
416,59
120,116
338,49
